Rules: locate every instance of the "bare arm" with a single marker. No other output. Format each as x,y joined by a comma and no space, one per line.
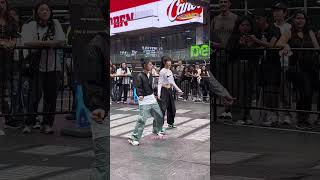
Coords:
283,41
314,40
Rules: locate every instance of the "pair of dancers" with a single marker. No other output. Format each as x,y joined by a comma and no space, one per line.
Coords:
156,106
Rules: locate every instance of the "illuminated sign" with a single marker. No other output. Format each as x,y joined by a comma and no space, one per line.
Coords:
130,15
120,21
197,51
179,10
152,51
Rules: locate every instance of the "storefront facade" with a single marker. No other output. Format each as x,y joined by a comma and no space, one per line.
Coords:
153,28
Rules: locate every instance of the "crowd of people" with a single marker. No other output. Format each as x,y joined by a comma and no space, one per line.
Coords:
191,78
270,76
29,75
161,102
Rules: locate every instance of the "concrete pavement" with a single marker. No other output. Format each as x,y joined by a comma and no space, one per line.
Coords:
183,155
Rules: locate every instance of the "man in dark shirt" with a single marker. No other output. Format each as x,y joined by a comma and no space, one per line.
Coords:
148,104
267,37
95,83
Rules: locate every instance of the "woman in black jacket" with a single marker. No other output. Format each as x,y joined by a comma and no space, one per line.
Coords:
242,65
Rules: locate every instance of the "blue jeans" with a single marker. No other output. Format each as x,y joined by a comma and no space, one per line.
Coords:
18,93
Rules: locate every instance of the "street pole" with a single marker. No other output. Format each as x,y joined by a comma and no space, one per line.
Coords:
246,7
306,6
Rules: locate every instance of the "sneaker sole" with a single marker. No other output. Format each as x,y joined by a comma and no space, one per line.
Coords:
129,140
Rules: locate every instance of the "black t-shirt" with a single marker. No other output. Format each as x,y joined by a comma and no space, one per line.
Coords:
8,31
271,32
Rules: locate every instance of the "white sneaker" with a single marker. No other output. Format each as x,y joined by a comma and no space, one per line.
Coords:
287,119
240,122
160,135
2,133
133,142
26,130
37,126
226,115
48,130
266,123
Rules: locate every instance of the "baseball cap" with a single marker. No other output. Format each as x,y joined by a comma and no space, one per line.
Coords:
260,13
280,5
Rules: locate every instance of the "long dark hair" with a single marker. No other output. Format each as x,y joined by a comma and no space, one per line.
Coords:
7,16
235,36
51,26
306,27
164,60
239,21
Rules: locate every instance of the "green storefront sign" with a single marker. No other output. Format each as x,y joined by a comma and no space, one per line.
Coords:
200,51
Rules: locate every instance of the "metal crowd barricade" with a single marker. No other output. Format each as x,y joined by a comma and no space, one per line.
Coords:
193,90
21,77
264,81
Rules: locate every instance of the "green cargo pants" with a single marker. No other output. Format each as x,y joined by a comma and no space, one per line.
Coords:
145,111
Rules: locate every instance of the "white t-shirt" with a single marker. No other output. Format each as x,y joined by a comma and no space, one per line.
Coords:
147,100
30,33
166,77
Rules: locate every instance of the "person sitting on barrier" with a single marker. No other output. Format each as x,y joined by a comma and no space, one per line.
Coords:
45,64
8,38
303,64
243,63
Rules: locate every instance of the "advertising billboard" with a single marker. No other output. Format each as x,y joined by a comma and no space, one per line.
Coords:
130,15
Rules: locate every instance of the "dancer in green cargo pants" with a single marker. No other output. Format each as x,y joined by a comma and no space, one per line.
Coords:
148,105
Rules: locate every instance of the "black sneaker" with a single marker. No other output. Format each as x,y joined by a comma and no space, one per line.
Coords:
13,124
171,126
304,126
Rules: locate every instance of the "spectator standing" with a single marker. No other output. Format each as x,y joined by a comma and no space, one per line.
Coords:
8,38
179,70
302,63
243,67
267,37
204,83
124,75
195,83
186,81
222,27
47,33
280,12
113,82
18,82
